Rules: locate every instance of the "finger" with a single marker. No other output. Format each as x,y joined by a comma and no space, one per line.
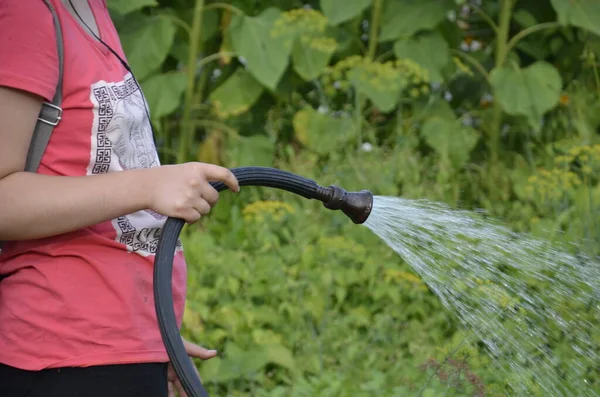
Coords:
180,389
197,351
202,206
210,194
192,215
171,374
222,174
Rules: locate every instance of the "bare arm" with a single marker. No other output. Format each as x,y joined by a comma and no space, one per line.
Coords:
35,206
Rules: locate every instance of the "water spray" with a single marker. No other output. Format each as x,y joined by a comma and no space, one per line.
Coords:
355,205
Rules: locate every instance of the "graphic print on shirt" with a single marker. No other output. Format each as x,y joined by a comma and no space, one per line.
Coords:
122,140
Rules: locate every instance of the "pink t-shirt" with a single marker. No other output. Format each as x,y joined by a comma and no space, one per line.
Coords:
83,298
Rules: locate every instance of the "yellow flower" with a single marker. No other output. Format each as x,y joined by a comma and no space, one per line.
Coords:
260,210
382,76
552,184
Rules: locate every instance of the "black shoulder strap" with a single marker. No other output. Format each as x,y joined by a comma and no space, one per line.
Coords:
51,113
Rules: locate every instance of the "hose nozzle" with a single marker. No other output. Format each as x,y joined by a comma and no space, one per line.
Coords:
356,205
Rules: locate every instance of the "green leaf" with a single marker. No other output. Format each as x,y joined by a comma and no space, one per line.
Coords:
267,57
584,14
429,392
146,42
338,11
529,92
256,150
280,355
430,50
310,58
382,88
210,24
450,139
211,369
181,45
236,95
123,7
320,132
163,92
524,18
403,18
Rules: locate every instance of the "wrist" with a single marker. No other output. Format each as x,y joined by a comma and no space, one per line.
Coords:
142,185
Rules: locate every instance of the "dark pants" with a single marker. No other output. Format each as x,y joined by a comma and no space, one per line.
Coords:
125,380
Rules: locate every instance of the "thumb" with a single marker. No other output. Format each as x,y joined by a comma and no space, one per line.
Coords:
197,351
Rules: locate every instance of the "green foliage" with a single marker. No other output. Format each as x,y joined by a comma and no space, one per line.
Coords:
322,133
146,41
333,316
451,140
125,7
236,95
338,11
581,13
405,18
429,50
489,105
251,38
303,31
164,92
529,92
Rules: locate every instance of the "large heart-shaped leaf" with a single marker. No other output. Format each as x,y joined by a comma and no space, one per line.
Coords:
163,92
237,94
450,139
529,92
380,83
256,150
403,18
147,42
267,57
321,132
581,13
126,6
304,33
430,50
338,11
310,55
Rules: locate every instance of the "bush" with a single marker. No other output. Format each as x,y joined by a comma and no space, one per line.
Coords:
478,104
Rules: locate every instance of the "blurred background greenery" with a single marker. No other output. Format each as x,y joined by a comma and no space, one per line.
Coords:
487,105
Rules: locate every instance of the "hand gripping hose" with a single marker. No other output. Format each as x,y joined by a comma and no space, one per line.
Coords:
356,205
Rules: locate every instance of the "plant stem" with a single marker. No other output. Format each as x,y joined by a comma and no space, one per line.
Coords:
501,47
231,133
359,101
214,57
474,62
224,6
193,50
358,104
486,17
374,29
179,22
503,30
384,56
526,32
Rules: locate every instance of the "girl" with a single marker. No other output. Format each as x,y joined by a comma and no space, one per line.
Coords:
76,301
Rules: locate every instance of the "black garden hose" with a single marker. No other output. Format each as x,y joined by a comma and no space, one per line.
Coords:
356,205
